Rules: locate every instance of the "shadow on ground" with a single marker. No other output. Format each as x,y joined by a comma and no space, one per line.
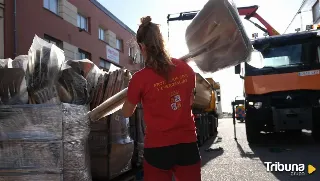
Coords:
287,149
208,151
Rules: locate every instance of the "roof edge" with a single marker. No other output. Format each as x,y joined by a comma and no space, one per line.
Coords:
112,16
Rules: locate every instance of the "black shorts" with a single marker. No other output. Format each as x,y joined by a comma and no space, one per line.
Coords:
165,158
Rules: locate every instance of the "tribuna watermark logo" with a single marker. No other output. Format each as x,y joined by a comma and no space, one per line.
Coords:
293,169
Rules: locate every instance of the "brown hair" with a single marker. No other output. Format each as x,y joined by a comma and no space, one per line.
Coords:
157,57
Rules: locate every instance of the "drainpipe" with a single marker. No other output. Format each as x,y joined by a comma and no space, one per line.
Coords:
15,28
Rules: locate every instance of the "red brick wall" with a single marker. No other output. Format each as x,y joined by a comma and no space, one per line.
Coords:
33,19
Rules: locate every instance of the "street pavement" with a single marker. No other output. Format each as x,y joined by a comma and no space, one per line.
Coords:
239,161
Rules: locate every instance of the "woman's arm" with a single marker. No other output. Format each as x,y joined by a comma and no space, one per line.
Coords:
128,108
133,96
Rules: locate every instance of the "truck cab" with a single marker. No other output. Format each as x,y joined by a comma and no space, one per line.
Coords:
281,85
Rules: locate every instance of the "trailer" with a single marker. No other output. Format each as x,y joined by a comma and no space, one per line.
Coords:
205,109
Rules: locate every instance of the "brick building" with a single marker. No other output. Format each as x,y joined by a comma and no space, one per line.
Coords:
82,28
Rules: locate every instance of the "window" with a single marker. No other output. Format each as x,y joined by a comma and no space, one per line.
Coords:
54,41
316,12
82,22
119,44
101,34
51,5
131,52
105,65
84,55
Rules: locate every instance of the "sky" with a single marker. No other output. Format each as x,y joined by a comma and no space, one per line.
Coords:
278,13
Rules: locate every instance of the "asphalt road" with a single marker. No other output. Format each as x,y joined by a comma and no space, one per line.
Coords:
239,161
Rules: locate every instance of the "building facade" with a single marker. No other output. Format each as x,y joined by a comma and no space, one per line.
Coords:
82,28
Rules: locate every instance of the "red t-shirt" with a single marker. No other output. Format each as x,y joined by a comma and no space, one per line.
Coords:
166,106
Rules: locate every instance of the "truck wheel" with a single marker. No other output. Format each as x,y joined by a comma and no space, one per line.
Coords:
316,132
253,133
200,141
216,125
295,132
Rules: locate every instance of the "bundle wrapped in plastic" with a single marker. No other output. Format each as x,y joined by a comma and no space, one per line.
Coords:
216,38
111,147
122,145
88,71
12,81
111,151
43,71
77,80
44,143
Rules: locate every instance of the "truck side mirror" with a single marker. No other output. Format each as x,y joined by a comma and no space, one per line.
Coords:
237,69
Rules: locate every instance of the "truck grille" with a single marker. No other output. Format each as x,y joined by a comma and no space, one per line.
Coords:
293,99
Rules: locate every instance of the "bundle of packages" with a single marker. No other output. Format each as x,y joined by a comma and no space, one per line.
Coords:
42,137
111,147
78,81
216,38
44,143
109,94
44,76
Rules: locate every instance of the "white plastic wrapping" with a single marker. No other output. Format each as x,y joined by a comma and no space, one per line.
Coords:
43,71
44,143
111,147
216,38
13,88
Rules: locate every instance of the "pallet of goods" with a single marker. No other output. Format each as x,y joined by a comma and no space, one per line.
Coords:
46,108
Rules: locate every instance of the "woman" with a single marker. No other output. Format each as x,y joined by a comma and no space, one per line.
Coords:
165,88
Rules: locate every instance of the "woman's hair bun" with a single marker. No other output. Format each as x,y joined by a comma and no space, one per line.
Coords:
145,20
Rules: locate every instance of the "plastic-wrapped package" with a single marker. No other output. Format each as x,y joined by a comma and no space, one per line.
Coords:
111,150
111,147
74,87
89,71
121,145
21,61
44,143
216,38
43,71
12,81
6,63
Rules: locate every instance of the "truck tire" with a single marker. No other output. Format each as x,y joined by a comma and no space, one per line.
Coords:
216,125
316,132
295,132
253,133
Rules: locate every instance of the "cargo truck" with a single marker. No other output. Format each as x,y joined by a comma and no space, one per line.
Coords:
205,108
281,85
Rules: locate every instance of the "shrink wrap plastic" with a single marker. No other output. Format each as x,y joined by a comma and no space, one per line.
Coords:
216,37
44,143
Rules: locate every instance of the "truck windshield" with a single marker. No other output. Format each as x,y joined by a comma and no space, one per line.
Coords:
278,56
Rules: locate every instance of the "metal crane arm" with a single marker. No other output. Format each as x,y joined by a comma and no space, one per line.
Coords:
248,12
